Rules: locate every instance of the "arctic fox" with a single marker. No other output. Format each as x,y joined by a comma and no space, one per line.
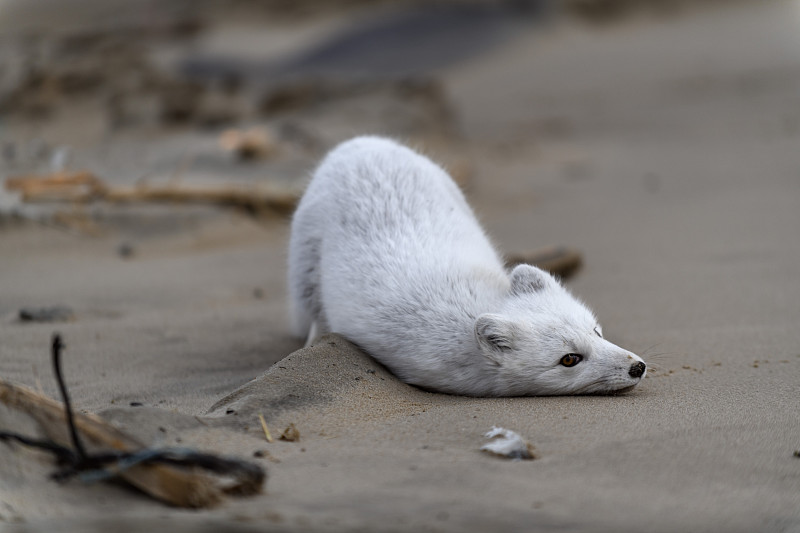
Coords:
385,251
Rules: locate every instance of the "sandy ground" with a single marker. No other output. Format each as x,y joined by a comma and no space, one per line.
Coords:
665,149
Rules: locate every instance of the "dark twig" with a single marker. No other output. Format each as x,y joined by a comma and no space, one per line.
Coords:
57,346
63,455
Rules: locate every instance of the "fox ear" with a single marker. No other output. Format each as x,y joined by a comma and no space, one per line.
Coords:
527,279
495,336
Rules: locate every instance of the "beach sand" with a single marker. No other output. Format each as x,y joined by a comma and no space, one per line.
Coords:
664,148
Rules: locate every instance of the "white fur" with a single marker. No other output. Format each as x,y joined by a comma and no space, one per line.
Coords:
386,252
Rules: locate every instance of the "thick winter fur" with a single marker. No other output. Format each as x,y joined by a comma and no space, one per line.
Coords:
385,251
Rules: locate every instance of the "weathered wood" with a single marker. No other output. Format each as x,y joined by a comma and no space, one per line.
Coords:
83,186
253,199
176,486
558,260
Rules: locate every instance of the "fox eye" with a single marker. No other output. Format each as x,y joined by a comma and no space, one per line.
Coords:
599,331
571,359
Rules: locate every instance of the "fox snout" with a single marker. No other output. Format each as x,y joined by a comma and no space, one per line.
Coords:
637,369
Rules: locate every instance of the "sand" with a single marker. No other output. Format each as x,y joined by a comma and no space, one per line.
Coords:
665,149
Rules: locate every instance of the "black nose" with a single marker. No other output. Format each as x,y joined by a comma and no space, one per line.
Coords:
637,369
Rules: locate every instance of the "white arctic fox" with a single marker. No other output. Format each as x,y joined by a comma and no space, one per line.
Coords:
385,251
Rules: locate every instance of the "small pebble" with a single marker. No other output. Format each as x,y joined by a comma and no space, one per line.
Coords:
126,250
290,434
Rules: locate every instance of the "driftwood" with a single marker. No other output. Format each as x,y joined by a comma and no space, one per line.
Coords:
81,187
251,199
88,447
179,487
558,260
58,186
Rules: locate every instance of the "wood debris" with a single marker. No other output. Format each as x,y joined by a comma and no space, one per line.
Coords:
79,186
162,474
83,186
558,260
169,484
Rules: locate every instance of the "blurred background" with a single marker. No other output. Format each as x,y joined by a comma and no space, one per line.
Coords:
130,89
254,91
